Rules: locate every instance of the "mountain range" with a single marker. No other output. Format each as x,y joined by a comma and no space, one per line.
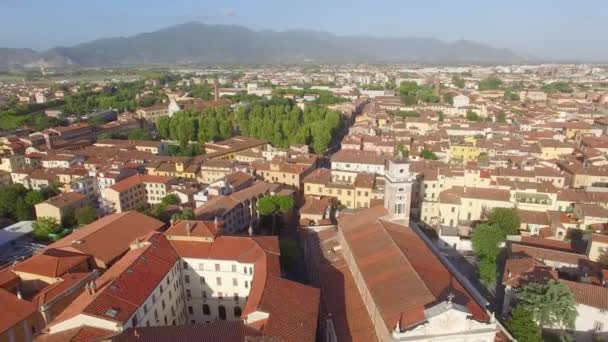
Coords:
196,42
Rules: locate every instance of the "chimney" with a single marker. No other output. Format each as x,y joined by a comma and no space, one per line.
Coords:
93,287
136,333
19,295
188,227
216,223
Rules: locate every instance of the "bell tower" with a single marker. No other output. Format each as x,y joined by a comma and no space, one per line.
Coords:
398,188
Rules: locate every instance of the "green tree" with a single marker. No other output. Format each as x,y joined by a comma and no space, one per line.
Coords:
407,91
501,117
163,127
511,96
551,304
490,83
171,199
139,134
458,81
486,240
186,214
45,226
441,116
522,326
85,215
428,154
68,218
506,219
271,205
487,272
34,197
472,116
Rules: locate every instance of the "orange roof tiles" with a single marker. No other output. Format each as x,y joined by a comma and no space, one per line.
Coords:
109,237
51,263
14,310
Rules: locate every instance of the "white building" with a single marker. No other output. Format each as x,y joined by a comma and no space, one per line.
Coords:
460,101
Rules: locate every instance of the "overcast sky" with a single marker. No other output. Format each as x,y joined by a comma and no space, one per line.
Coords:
555,29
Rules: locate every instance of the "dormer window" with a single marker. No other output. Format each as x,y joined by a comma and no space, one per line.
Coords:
112,312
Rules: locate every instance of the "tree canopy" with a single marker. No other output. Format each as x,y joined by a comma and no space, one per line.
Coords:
472,116
551,304
458,81
506,219
428,154
490,83
522,326
411,93
45,226
486,240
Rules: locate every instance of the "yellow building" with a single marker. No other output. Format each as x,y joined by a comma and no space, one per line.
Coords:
57,207
357,193
466,152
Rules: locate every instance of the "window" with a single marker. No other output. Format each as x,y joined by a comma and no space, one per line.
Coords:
204,294
134,321
155,315
217,267
206,310
185,265
233,268
250,270
188,294
192,321
218,280
235,282
237,311
598,326
190,310
202,280
246,284
163,304
187,279
222,312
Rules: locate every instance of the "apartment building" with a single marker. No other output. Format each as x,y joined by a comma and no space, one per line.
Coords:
153,113
352,191
136,192
57,207
193,275
351,162
286,171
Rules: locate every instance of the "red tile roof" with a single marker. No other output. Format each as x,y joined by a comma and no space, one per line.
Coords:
13,310
109,237
52,263
588,294
79,334
401,272
216,331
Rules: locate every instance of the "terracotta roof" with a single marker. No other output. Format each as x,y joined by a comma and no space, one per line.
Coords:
206,229
78,334
14,310
66,199
216,331
135,180
358,157
293,308
126,285
109,237
588,294
52,263
401,272
542,254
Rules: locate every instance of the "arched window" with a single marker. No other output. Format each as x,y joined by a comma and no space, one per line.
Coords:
206,310
222,312
237,312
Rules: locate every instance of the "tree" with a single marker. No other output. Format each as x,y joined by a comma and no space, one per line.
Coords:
428,154
506,219
551,304
472,116
441,116
511,96
45,226
501,117
171,199
163,127
486,240
85,215
458,81
490,83
139,134
34,197
522,326
487,272
271,205
186,214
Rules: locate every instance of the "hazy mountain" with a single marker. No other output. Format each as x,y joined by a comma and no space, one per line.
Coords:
196,42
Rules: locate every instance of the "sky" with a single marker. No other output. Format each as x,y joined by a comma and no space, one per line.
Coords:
552,29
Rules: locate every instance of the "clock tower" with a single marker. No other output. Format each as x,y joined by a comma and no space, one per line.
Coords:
398,189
